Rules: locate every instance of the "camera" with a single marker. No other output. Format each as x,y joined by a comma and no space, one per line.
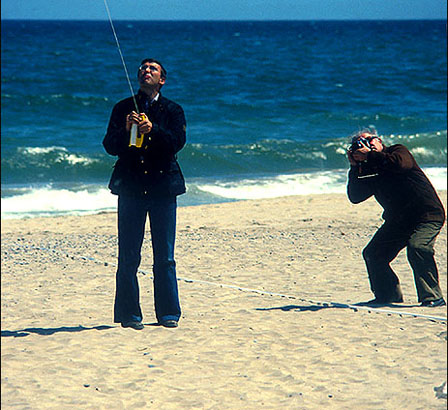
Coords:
362,139
365,169
359,142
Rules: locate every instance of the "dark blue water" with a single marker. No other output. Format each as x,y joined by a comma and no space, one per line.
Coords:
269,105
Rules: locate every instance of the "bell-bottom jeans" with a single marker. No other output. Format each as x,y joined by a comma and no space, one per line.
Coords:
132,213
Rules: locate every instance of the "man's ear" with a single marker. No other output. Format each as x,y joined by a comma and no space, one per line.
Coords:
161,81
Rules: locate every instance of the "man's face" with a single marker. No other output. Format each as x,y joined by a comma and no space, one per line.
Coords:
376,144
150,74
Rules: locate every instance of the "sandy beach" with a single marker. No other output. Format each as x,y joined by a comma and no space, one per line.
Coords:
264,286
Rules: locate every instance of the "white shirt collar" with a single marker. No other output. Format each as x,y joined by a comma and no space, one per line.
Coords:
156,98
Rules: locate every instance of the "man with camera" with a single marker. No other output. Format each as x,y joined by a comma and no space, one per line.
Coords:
413,217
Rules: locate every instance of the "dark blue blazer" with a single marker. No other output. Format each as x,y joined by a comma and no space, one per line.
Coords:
151,170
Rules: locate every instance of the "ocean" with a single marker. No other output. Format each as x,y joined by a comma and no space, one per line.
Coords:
269,105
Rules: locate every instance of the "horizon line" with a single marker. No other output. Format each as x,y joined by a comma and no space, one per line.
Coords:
223,20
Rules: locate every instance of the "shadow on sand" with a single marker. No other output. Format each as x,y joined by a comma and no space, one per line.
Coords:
287,308
50,331
320,306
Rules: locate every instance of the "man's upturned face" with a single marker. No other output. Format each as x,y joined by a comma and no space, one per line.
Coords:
150,75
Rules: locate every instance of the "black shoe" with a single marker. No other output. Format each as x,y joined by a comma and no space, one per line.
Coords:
434,303
134,324
380,302
169,323
373,302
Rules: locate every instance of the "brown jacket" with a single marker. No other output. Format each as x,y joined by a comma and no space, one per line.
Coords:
399,186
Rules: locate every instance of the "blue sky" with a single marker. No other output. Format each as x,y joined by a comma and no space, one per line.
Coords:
224,9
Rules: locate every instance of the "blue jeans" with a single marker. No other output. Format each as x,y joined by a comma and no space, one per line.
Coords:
131,229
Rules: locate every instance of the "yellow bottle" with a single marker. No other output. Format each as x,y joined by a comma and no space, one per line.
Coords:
136,140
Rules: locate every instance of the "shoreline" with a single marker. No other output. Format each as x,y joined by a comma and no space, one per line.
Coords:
95,198
181,205
261,285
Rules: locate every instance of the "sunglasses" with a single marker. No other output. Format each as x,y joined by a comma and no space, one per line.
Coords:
151,68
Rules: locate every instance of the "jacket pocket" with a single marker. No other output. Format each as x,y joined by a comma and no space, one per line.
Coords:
116,180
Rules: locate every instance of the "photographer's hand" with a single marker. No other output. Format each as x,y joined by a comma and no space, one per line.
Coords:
360,154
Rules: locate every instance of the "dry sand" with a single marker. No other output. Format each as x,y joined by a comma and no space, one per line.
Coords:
234,349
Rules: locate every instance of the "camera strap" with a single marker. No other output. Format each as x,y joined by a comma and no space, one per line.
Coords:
367,176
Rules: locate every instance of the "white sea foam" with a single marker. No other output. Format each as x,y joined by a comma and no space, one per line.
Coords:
47,202
438,177
76,159
62,154
42,150
282,185
299,184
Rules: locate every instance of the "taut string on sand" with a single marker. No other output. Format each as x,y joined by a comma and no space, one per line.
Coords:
121,56
263,292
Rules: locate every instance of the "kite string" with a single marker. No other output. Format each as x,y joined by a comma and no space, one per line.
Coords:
258,291
121,55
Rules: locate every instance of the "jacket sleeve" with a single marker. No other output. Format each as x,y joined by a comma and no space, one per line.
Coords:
358,190
170,137
397,158
116,140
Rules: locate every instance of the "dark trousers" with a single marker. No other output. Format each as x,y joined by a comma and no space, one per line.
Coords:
383,248
132,213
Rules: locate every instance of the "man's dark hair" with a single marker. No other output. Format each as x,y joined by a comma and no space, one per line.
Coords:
152,60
